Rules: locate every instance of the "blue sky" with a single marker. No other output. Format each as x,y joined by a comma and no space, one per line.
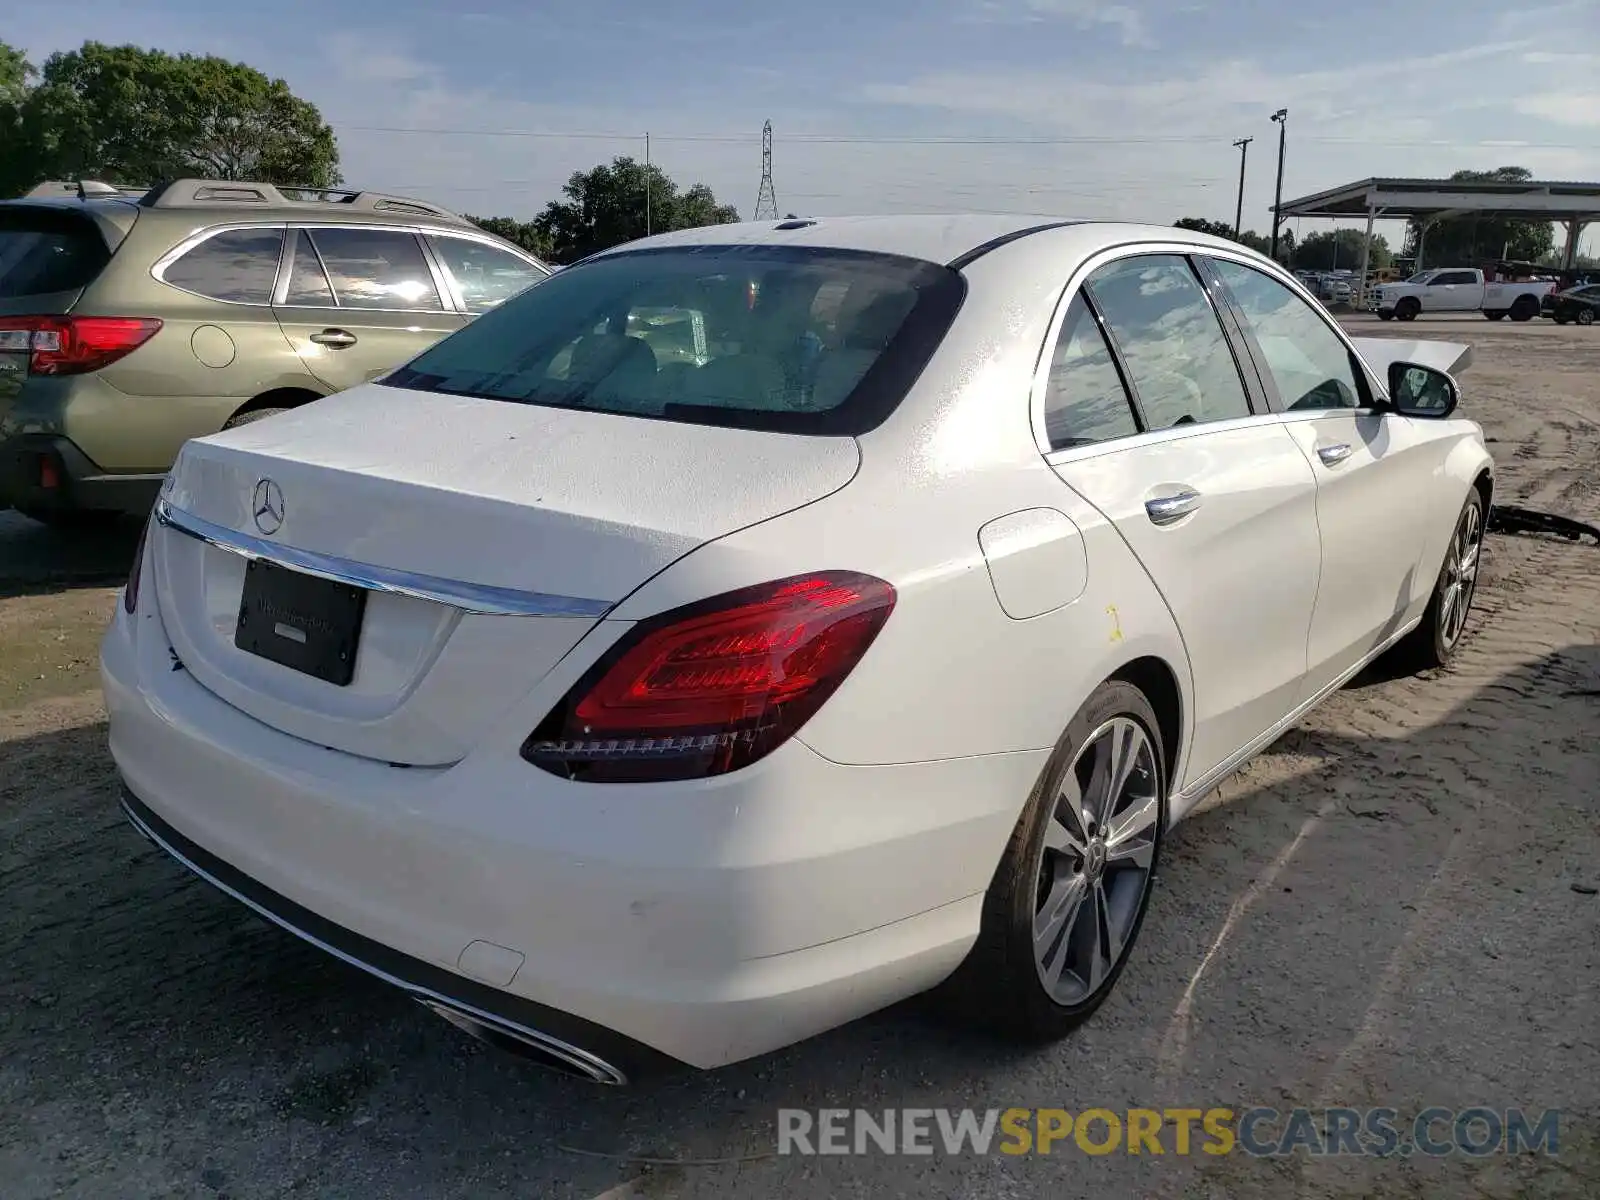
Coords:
1141,97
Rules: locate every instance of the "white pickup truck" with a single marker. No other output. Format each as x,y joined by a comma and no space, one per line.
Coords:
1456,289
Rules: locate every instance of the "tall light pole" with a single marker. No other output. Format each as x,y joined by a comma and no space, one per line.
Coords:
1238,212
1282,118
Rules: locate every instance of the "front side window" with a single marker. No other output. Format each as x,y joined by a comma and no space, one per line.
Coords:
238,265
1171,340
376,268
796,339
485,275
1085,401
1309,363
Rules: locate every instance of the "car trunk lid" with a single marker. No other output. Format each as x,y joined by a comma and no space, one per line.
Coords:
486,537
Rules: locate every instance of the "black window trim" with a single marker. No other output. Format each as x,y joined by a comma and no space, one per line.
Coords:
1250,397
1368,396
878,394
158,269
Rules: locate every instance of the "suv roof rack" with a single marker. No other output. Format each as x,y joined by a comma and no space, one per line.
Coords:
81,189
209,193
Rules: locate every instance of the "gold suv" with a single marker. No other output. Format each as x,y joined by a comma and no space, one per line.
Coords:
133,320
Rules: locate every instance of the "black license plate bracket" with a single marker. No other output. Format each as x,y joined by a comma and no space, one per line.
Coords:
303,622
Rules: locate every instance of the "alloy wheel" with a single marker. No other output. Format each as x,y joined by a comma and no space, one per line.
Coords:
1460,574
1096,861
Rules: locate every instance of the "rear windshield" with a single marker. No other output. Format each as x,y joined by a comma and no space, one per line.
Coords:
792,339
43,252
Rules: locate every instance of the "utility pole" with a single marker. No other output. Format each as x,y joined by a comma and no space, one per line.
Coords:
1282,118
1238,212
647,185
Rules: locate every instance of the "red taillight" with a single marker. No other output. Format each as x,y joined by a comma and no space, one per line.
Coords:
130,590
714,686
74,345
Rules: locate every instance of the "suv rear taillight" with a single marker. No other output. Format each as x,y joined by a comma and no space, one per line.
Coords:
713,686
130,590
74,345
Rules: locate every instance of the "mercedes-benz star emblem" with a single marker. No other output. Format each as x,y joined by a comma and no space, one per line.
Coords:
267,506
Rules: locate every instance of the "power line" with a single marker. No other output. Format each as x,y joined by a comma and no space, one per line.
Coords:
983,140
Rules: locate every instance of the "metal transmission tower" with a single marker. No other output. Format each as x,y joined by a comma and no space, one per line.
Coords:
766,198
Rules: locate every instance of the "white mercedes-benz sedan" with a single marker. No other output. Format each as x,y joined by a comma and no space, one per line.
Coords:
752,626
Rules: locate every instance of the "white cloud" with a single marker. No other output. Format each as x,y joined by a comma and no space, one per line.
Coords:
1577,109
1129,22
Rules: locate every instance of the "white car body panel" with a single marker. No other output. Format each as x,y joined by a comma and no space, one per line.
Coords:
391,478
716,919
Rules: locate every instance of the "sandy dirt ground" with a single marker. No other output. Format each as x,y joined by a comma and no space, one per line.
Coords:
1394,906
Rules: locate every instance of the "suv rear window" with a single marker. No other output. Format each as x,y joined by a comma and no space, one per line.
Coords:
42,252
791,339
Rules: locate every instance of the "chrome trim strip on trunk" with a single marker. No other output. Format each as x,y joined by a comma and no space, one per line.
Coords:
591,1065
473,598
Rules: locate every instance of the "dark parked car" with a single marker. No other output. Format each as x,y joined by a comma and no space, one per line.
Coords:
1580,305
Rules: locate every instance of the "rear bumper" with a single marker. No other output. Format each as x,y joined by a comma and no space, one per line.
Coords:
599,1054
49,473
700,924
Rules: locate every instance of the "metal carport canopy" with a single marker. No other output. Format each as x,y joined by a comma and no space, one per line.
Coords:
1428,200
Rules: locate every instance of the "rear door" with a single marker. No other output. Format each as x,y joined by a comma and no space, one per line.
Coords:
359,300
1151,420
1375,471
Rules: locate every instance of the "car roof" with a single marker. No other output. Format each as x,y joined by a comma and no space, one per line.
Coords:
953,239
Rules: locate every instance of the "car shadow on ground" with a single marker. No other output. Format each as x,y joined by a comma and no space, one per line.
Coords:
37,559
161,1035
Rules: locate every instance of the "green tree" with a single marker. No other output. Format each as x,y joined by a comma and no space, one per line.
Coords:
16,72
1341,248
607,206
526,234
1221,229
1473,238
133,116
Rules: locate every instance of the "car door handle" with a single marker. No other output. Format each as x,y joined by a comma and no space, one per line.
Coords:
1164,510
336,339
1332,456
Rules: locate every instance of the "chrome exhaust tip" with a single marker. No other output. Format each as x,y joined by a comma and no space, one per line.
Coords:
540,1048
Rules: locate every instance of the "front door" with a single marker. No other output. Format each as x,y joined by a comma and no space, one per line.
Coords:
359,301
1372,488
1218,504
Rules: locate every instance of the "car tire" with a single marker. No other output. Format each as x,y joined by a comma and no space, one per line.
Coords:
1560,320
254,414
1408,309
1526,308
1433,643
1585,317
1498,314
1054,854
1386,316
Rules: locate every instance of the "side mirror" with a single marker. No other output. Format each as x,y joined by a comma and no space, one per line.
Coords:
1419,391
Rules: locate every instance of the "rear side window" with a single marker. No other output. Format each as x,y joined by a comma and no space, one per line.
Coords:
239,265
43,252
1085,400
1171,340
377,268
796,339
